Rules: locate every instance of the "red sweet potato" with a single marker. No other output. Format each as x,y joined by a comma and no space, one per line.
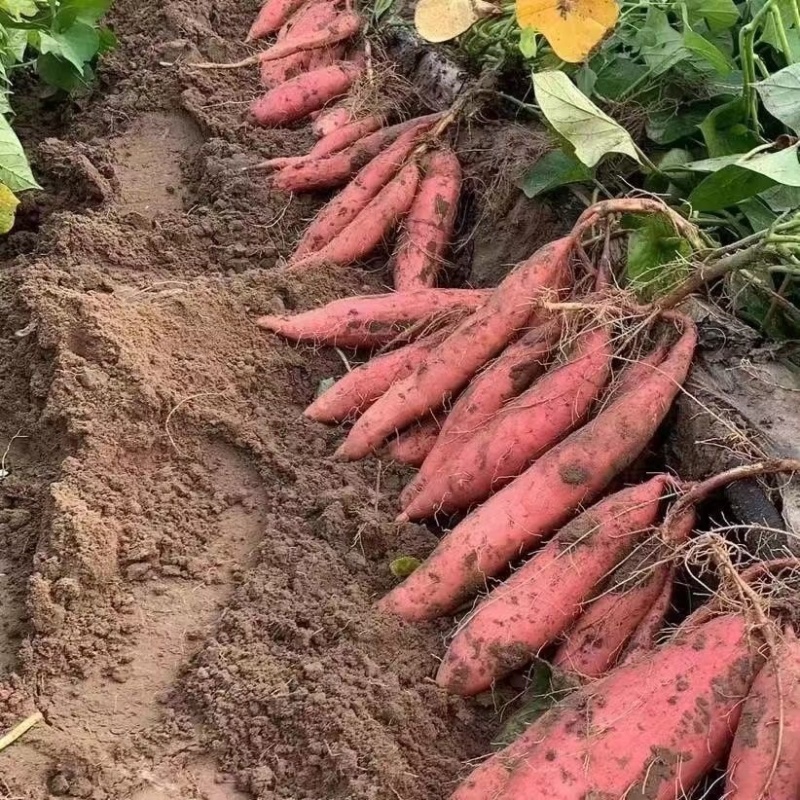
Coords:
646,633
331,119
599,637
337,168
346,135
412,445
362,386
371,320
763,763
298,97
652,728
351,201
429,225
272,15
344,26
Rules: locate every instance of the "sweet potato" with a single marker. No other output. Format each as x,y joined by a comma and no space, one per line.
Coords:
429,225
370,320
346,135
545,496
763,762
298,97
336,168
272,15
646,633
412,445
505,377
598,638
343,209
344,26
331,119
473,343
362,386
542,598
376,221
495,452
652,728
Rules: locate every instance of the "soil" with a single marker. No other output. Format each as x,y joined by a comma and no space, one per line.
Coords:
187,577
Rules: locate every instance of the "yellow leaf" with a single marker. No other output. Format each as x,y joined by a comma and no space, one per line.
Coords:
441,20
573,28
8,208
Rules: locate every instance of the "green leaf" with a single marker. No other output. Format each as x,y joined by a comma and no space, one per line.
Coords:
538,698
735,179
8,209
782,198
552,170
527,43
108,40
665,127
770,34
16,44
660,45
380,8
724,132
15,171
402,567
617,76
88,11
78,44
17,9
780,94
59,72
657,256
719,14
590,131
670,164
758,213
706,52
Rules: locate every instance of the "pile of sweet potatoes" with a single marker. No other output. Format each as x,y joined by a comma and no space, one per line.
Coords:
725,683
523,406
398,175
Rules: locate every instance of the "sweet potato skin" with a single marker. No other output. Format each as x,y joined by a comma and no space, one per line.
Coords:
271,16
498,449
339,212
429,225
371,225
362,386
299,96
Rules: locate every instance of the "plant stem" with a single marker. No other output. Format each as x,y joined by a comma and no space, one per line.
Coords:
700,491
795,5
747,36
711,271
777,21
